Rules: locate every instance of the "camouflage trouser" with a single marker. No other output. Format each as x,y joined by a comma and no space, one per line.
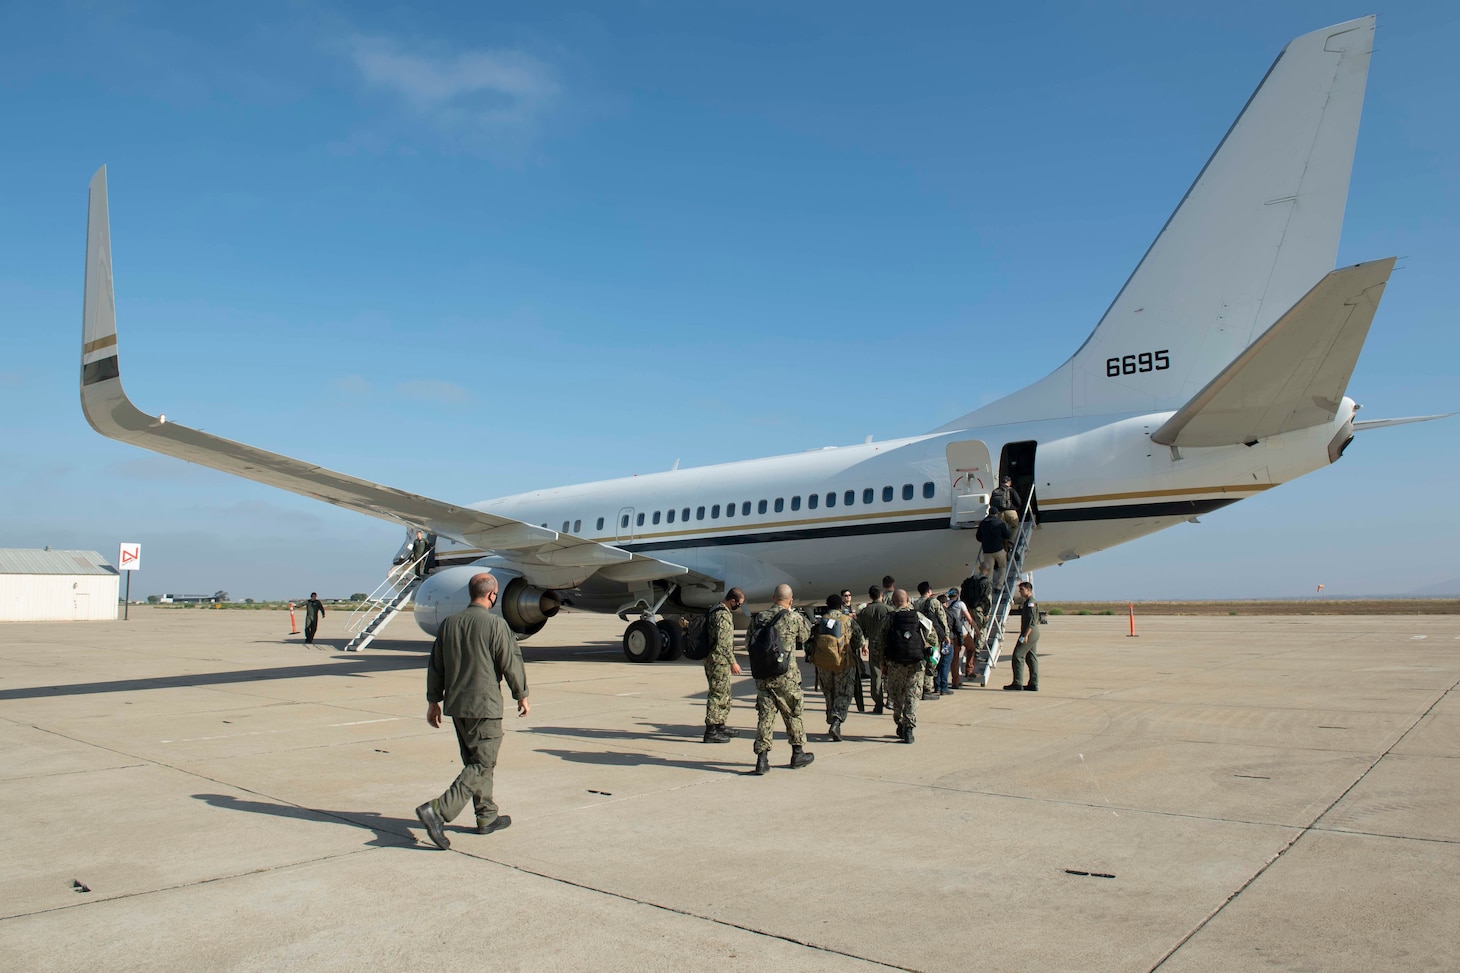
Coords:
874,654
930,669
904,689
779,695
717,702
840,687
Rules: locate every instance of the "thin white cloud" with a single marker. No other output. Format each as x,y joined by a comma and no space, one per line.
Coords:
434,390
473,95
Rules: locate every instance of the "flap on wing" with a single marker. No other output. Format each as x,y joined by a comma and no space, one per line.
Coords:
112,414
1293,376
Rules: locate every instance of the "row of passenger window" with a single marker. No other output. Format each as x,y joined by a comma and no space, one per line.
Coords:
847,498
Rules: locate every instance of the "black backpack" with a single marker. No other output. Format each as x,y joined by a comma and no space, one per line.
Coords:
904,638
697,639
768,657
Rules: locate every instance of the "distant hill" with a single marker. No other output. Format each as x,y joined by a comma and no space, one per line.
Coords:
1444,589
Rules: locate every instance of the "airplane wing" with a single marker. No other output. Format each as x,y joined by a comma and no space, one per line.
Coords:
1294,375
113,415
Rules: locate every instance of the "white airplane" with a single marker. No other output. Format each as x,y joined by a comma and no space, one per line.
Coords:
1218,372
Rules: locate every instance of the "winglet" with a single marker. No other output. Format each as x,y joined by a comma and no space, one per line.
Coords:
99,317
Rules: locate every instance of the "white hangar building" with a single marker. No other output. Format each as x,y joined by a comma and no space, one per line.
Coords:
44,586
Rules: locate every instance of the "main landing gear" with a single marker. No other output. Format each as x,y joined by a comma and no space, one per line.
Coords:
646,640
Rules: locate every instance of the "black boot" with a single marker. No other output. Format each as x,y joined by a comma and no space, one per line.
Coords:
800,758
717,734
1033,687
907,734
835,730
728,732
762,764
1014,687
877,709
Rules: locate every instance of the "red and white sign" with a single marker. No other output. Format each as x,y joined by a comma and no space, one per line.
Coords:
131,557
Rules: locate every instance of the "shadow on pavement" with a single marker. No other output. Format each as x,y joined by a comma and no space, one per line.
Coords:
345,665
389,832
623,759
661,731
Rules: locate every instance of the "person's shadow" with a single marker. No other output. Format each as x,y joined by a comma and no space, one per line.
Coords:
621,758
389,832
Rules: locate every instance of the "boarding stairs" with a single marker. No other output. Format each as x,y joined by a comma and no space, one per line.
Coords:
383,604
1004,597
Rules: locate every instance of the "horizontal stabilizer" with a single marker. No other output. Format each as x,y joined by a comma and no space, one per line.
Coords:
1295,375
1368,424
560,559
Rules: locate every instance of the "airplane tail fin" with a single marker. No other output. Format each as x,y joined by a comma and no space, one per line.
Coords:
99,315
1257,229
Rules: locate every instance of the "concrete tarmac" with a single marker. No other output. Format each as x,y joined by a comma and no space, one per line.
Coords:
1217,794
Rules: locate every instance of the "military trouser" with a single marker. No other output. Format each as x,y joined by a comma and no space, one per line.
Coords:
779,695
904,689
930,669
840,687
311,625
479,740
874,658
1026,651
717,702
998,562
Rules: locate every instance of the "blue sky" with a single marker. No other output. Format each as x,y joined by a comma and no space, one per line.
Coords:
470,250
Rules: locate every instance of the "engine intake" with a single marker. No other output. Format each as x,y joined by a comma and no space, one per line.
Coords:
523,607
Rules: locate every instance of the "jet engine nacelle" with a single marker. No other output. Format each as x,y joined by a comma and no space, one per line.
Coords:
525,608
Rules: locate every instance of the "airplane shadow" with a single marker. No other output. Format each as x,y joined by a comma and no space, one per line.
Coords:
630,759
344,665
389,832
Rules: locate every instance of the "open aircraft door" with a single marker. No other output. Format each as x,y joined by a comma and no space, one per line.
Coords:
971,480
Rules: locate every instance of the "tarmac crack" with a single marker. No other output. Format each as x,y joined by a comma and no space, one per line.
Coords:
1307,829
625,897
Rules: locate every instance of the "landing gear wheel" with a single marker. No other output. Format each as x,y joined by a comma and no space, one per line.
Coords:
673,639
642,641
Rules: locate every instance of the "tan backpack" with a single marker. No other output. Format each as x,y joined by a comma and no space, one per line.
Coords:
829,641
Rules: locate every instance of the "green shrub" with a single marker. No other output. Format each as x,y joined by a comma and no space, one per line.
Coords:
1056,611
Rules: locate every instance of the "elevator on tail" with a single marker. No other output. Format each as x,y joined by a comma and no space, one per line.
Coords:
1219,371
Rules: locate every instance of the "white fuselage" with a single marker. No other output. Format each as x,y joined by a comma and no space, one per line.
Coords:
1099,482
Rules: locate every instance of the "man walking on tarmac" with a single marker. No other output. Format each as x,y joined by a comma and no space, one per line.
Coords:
474,651
720,665
929,605
780,694
872,619
838,649
313,612
907,645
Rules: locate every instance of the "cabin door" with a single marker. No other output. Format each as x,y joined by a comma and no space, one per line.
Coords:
971,480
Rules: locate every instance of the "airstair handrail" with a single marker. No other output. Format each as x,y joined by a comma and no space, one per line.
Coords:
397,579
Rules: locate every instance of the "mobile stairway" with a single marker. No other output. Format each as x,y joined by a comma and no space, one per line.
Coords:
383,604
1004,597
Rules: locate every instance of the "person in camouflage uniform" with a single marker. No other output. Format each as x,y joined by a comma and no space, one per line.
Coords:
839,682
871,620
904,679
930,606
889,589
720,665
783,693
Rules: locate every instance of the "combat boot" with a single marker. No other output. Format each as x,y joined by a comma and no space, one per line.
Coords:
800,758
762,764
877,709
835,730
728,732
907,734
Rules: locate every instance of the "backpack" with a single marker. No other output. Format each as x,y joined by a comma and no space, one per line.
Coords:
939,631
829,643
976,593
904,638
697,639
768,657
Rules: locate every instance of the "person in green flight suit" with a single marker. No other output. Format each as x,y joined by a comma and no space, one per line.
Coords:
872,619
313,612
473,652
